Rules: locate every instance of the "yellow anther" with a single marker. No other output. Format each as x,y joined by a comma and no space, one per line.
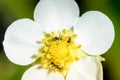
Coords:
70,60
46,48
48,56
39,54
52,34
64,31
54,69
74,36
62,64
66,38
45,65
71,43
65,68
79,46
76,58
44,40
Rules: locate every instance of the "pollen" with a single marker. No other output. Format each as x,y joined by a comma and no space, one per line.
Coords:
59,52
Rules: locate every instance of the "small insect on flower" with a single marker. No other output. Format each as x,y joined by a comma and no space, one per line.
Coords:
59,44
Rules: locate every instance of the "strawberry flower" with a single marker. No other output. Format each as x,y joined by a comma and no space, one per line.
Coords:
59,43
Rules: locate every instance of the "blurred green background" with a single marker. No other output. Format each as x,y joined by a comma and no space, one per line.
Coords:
11,10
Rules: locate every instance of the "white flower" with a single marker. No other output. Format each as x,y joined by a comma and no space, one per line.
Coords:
27,41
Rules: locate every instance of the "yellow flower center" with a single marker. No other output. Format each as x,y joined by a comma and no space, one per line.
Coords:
59,51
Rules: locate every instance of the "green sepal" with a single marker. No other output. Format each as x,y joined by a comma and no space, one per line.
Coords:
100,58
46,35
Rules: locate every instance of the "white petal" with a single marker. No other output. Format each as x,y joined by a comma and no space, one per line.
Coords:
86,69
53,15
95,32
41,74
20,42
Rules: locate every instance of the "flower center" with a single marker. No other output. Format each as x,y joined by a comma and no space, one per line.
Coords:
59,50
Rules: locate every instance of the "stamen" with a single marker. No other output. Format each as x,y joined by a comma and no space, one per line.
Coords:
76,58
79,46
45,48
54,69
64,31
45,65
48,56
66,38
74,36
52,34
65,68
39,54
44,40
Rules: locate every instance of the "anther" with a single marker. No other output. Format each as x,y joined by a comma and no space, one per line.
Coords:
54,69
66,38
45,49
65,68
52,34
64,31
79,46
45,65
74,36
76,58
48,56
44,40
39,54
